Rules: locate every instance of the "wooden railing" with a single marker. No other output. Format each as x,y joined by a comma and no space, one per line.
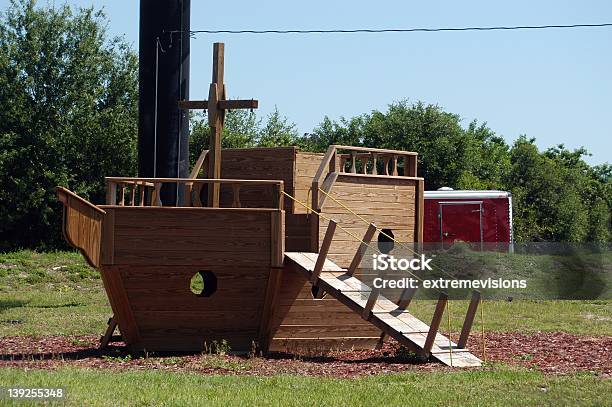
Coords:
372,161
82,225
341,160
147,191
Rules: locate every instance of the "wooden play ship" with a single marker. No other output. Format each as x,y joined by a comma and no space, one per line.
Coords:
277,235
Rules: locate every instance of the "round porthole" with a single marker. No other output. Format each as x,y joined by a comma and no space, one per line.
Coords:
385,241
203,283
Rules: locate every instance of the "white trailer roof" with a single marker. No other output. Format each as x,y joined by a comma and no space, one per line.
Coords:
466,194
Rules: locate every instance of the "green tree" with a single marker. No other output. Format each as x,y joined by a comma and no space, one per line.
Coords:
551,201
68,109
592,187
242,130
448,154
278,131
557,195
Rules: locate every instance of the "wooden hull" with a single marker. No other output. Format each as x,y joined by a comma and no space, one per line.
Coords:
156,310
147,256
156,252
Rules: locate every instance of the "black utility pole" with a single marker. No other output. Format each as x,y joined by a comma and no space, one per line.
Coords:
163,129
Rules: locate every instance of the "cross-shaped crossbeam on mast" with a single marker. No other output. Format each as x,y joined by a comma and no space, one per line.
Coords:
216,105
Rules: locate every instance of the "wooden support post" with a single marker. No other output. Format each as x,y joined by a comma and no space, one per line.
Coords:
143,188
278,190
216,106
364,164
132,194
469,320
195,171
157,201
435,323
406,298
329,235
121,194
371,302
333,163
265,326
188,188
236,196
277,240
374,164
111,193
367,238
402,304
152,198
420,214
411,165
328,183
387,165
315,196
197,192
353,165
394,166
108,334
215,122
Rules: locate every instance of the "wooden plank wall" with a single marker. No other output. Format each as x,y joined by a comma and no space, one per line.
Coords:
170,317
306,166
298,232
302,324
387,202
158,250
294,167
188,236
258,163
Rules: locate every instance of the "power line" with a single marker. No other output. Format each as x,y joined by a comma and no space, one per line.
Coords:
400,30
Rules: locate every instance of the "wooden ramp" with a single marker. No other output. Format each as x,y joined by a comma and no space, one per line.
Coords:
390,318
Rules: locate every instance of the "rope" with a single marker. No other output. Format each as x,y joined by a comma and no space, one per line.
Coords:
484,346
403,244
329,219
157,48
343,229
440,269
327,194
450,341
448,308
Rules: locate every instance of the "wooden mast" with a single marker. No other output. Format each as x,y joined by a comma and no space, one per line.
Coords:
216,105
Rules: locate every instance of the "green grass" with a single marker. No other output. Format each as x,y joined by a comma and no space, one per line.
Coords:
53,293
575,317
498,387
566,272
59,294
52,270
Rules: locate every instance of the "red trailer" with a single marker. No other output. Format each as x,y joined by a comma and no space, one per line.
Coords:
469,216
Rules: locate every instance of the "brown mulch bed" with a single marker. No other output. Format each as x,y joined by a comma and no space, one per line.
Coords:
551,353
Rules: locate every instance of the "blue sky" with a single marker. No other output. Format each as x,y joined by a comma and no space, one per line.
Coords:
554,85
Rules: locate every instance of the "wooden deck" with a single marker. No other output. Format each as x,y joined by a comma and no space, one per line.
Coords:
386,315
